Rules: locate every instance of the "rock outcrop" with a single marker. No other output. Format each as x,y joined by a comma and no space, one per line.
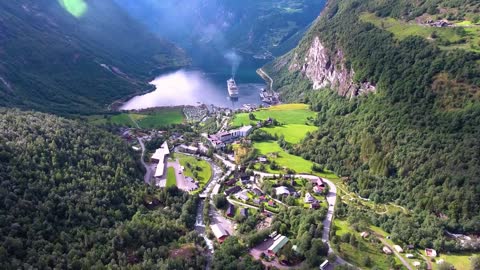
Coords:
327,69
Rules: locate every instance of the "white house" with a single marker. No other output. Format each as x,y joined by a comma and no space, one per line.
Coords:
241,132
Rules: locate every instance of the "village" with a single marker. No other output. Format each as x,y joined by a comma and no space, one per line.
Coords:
246,193
243,197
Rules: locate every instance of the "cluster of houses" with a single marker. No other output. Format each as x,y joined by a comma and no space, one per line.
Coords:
241,193
231,211
219,140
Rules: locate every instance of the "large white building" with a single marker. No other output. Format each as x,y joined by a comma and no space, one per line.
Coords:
241,132
160,157
218,140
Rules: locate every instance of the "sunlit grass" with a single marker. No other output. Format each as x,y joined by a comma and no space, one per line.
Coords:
171,178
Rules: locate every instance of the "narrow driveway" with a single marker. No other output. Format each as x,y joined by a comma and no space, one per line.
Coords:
404,262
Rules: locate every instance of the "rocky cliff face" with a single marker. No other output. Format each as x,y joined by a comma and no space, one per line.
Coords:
328,69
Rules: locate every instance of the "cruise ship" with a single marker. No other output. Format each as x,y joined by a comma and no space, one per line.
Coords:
232,88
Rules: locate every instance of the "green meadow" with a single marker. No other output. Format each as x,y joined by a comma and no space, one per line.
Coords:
295,120
157,118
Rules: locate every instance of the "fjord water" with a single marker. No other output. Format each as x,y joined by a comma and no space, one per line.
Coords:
205,85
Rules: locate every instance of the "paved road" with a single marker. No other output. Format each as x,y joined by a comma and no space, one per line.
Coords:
148,169
227,163
266,75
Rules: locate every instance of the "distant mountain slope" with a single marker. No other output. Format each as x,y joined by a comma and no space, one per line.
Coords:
73,197
210,27
53,61
399,118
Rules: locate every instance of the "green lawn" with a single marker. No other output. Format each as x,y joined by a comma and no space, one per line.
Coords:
204,174
402,29
459,260
293,133
285,159
294,120
285,114
171,178
157,118
161,118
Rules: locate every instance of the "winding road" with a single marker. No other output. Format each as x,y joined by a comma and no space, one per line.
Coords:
264,74
148,169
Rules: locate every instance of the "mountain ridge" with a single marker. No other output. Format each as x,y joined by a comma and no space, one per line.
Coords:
92,60
404,143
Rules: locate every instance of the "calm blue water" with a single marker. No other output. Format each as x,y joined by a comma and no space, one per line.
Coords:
202,85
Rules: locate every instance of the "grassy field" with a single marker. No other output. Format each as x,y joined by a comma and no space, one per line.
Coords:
402,29
293,133
287,160
461,261
171,178
285,114
365,248
295,120
205,172
153,119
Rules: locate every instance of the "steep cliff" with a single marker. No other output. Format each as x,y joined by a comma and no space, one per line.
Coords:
327,69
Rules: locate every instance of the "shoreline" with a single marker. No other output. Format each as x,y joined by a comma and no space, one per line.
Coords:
115,107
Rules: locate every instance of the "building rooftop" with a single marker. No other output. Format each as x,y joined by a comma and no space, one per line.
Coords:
278,244
282,190
159,156
218,231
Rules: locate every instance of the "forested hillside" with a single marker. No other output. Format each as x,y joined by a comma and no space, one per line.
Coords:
61,60
413,142
72,197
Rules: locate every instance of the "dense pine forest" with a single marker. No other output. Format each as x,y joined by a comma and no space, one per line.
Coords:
72,197
413,142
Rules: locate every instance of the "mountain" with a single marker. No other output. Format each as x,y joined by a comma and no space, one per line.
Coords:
73,197
399,109
210,28
78,61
